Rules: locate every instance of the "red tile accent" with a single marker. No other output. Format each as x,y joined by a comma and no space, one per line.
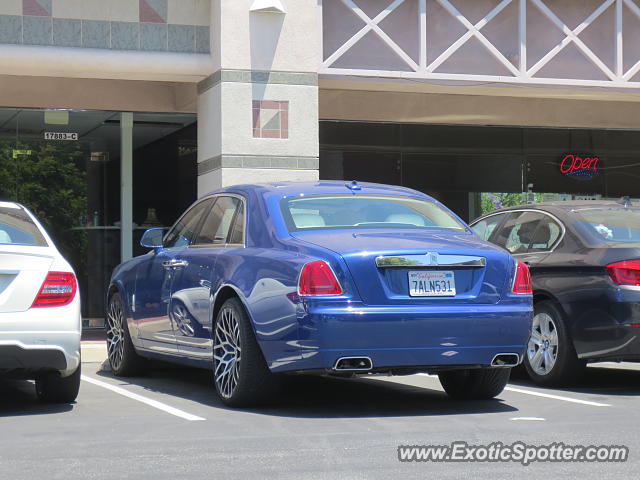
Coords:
148,14
270,105
270,133
265,105
32,7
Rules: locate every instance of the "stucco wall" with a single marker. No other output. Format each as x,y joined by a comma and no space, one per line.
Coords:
149,25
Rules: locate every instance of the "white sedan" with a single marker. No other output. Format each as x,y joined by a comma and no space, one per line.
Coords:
40,320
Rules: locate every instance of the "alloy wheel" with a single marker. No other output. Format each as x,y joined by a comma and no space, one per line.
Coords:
542,350
115,333
227,352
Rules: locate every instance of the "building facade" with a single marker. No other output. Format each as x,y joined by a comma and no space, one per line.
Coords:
116,114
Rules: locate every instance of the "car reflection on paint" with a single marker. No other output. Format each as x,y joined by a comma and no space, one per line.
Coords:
322,278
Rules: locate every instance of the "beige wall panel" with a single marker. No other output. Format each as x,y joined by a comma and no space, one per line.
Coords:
209,181
224,177
11,7
270,41
476,110
188,12
237,116
114,10
209,123
236,176
43,92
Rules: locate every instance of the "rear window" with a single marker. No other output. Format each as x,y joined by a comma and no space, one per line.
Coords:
365,211
17,228
612,224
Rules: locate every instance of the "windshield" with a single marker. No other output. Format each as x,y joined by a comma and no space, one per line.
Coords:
17,228
365,211
612,224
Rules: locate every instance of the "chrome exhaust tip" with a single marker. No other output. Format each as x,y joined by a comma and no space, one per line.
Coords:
506,360
353,364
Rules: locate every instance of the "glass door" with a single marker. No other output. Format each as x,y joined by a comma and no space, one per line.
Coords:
64,166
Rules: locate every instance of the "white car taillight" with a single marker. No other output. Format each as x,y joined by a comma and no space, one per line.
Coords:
58,289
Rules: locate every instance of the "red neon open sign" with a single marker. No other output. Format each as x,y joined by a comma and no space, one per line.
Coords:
575,166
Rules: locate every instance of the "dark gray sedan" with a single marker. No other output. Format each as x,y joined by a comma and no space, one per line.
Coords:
585,264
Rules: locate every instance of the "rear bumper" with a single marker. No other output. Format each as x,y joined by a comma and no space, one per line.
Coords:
411,336
614,342
602,325
23,359
41,340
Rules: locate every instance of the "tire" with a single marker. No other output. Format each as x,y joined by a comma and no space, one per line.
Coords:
124,360
551,359
474,384
52,388
240,373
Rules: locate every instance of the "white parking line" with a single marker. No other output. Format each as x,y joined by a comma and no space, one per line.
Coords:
544,395
556,397
148,401
529,419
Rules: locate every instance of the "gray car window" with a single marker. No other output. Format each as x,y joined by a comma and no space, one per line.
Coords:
237,231
216,226
17,228
484,228
516,234
546,235
182,233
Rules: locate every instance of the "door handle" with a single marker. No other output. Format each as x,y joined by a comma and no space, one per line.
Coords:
175,263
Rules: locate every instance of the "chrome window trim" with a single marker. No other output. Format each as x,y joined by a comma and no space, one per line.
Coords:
563,229
430,260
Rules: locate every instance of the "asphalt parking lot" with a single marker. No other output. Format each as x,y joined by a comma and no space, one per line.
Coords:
169,424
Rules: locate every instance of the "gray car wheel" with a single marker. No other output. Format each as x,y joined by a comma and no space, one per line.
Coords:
240,372
551,357
122,354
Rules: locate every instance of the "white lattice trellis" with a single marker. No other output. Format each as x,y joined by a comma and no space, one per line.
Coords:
521,72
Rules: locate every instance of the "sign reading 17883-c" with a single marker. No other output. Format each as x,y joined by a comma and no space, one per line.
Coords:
60,136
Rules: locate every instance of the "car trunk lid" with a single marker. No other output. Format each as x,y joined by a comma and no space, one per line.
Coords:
385,264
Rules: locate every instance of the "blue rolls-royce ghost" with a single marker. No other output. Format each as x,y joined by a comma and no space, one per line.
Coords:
323,278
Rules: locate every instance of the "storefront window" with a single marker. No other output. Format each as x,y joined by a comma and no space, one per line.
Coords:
65,166
477,169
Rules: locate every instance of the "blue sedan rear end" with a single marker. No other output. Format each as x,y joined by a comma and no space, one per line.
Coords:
327,278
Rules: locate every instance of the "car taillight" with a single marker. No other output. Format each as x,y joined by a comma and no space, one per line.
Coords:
57,290
522,282
317,278
626,272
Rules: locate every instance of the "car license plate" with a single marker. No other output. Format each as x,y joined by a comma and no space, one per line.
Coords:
434,283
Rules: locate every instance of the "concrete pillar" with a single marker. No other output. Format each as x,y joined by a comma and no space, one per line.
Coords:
258,113
126,185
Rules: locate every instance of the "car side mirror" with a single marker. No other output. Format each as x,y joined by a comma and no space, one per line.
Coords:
152,238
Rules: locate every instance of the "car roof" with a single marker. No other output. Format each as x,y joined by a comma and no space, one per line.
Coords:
327,187
11,205
554,207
